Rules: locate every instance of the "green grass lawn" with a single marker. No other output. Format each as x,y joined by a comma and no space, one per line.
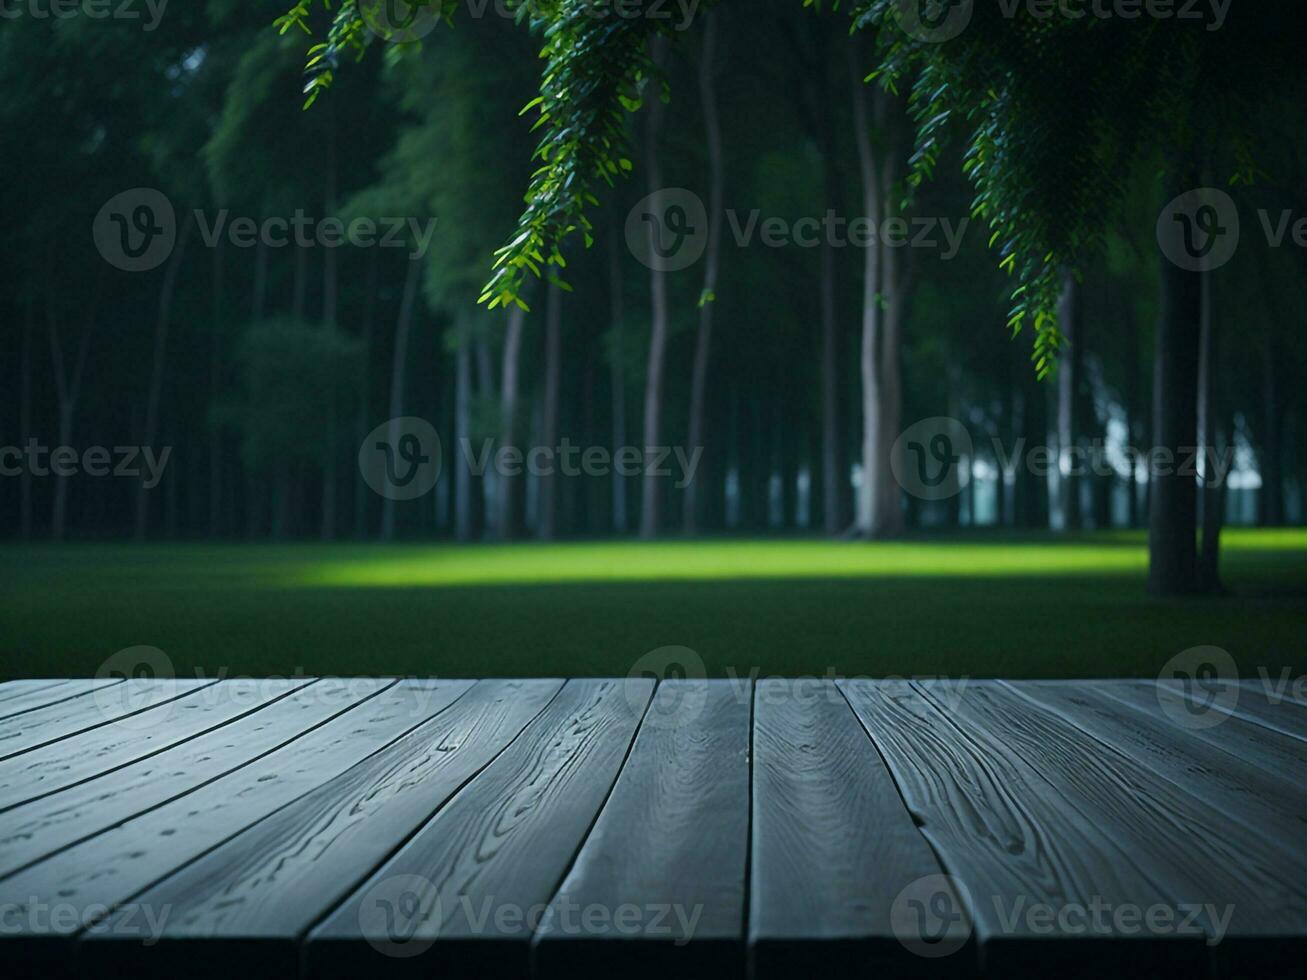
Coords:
1023,606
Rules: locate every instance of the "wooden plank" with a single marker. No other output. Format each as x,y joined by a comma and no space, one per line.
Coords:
102,705
658,888
78,758
17,697
36,830
1281,714
460,899
1253,894
1013,844
242,908
833,845
1277,755
1268,806
106,871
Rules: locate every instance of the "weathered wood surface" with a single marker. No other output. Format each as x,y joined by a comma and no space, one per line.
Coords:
683,829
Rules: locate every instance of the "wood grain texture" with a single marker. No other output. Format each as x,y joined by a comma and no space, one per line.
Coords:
243,907
1277,755
73,760
658,889
1264,805
833,844
1277,711
17,697
109,869
1200,857
102,705
462,896
36,830
1014,842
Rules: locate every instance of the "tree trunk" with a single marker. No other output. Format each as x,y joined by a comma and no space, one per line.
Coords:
68,389
1211,498
215,393
707,299
617,376
1068,403
25,416
508,522
869,356
1272,455
547,521
462,432
889,503
361,427
330,302
161,330
651,495
1172,518
403,328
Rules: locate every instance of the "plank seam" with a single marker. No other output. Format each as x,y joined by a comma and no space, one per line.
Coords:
533,942
160,750
404,841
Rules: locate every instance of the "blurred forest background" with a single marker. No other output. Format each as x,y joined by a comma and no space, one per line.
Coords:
264,366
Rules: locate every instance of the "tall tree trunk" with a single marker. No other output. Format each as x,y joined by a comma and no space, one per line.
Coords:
889,495
68,390
1271,496
834,474
617,376
215,394
330,303
707,299
161,329
462,431
1212,497
25,414
1068,403
1172,517
508,521
547,523
651,494
361,427
403,328
1132,427
869,356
